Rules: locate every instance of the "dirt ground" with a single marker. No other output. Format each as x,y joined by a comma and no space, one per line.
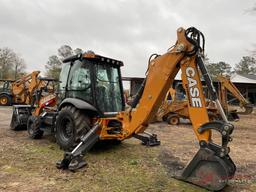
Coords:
29,165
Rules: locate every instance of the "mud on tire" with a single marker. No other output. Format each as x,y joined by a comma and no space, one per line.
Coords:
71,124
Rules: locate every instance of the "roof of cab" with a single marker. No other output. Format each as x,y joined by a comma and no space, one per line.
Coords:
89,55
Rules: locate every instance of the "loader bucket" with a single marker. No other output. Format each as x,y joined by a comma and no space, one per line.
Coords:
208,170
20,115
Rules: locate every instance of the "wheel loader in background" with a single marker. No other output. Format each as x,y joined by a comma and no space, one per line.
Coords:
40,94
43,110
19,91
92,108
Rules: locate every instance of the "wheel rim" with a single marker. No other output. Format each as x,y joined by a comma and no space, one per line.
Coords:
174,120
66,131
3,100
30,127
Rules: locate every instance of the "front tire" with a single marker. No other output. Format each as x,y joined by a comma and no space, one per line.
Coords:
5,100
71,124
33,128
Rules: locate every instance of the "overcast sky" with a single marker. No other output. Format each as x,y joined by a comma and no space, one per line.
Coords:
128,30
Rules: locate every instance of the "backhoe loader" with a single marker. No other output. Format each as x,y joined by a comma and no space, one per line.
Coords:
44,110
226,86
92,108
19,91
172,110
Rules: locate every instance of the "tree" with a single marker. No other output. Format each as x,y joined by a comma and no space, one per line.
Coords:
53,67
65,51
220,68
12,66
247,65
19,67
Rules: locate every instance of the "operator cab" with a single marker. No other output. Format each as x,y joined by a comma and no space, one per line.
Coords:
5,85
94,79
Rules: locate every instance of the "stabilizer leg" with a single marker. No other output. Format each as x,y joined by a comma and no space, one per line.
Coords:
233,116
74,160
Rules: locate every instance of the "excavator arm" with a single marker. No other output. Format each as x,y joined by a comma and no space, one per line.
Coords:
227,85
211,167
183,56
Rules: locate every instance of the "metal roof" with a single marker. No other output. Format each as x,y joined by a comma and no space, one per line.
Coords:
245,78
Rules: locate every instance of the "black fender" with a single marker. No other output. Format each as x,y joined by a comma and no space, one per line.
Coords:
79,104
6,93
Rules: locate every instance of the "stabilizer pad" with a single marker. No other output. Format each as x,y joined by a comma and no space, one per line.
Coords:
208,170
70,162
233,116
63,164
77,163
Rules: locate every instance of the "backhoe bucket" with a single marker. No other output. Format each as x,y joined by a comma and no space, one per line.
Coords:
248,109
208,170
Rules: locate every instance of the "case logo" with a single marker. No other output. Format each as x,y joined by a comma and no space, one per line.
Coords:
193,89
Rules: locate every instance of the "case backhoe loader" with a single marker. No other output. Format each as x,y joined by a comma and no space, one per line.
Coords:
211,167
173,108
226,86
19,91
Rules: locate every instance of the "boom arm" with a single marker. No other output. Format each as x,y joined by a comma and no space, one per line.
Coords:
161,73
212,160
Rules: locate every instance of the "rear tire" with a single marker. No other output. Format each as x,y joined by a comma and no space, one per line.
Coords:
71,124
33,128
173,119
5,100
